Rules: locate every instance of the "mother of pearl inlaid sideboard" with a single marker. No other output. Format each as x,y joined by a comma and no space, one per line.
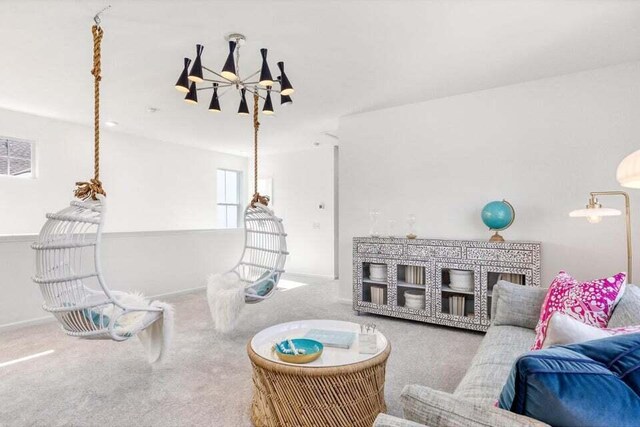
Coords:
420,268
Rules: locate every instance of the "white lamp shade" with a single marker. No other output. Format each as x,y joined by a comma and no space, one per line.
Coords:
628,173
594,212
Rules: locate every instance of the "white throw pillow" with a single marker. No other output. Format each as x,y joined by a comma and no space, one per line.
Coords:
563,329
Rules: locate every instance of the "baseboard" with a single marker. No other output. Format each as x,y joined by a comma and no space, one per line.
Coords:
25,323
177,293
50,318
313,276
347,301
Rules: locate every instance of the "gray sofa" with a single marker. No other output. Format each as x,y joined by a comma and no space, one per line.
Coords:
515,311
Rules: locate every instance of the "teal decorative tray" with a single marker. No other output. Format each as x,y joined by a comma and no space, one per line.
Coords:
309,350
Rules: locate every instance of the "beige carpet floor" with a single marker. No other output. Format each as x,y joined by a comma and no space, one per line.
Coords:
207,378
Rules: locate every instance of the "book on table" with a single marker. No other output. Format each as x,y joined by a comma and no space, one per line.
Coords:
330,338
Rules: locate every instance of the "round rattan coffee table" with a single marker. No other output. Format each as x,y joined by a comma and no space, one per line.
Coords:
341,388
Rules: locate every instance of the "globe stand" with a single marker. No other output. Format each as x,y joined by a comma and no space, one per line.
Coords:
496,238
498,216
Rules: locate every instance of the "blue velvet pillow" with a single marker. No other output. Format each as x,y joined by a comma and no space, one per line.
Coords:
596,383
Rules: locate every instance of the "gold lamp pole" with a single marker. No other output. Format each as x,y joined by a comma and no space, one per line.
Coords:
594,213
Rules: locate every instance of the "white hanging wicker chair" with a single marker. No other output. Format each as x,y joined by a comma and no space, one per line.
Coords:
69,274
265,252
256,276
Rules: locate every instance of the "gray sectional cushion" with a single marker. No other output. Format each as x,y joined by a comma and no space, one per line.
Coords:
491,365
384,420
516,305
439,409
627,312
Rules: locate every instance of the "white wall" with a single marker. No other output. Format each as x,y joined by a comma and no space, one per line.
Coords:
152,188
151,185
302,180
542,145
153,263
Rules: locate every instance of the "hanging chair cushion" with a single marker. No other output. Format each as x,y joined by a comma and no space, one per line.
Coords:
126,325
264,285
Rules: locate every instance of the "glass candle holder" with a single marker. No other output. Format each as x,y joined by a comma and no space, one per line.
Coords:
391,228
411,222
374,216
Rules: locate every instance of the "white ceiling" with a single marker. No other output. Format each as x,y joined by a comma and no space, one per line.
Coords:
343,57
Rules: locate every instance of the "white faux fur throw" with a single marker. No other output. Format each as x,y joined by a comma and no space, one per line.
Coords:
157,336
225,294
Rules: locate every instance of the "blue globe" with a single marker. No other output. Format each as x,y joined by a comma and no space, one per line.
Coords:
498,215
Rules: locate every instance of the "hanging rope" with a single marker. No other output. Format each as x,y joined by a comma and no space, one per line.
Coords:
257,198
90,189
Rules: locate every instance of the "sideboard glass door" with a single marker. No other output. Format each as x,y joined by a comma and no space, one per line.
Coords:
457,293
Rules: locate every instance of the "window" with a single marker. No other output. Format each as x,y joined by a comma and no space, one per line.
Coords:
228,198
16,157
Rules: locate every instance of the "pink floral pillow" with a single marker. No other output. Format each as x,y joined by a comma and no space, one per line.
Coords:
589,302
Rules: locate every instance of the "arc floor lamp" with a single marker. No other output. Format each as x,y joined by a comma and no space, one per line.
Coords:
628,175
594,211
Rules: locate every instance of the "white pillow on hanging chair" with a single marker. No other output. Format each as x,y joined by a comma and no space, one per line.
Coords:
225,294
126,325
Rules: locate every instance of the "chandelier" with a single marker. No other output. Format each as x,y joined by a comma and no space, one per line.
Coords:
260,83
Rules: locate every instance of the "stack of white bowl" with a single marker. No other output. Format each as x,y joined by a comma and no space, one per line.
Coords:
461,280
414,299
378,272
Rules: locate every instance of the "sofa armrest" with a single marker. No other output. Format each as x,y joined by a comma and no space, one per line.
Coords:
439,409
384,420
516,305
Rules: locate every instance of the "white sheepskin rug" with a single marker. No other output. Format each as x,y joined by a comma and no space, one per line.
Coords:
225,294
156,338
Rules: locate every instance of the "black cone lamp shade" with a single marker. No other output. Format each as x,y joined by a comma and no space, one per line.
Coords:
243,109
285,84
265,73
214,106
182,84
192,96
229,69
285,100
268,105
196,71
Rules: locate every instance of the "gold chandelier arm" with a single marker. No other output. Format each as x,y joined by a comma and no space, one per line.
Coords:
254,93
265,89
219,75
248,77
220,82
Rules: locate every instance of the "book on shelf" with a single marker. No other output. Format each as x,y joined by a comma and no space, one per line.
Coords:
330,338
414,274
456,305
377,295
518,279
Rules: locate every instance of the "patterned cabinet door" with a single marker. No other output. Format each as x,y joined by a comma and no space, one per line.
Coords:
411,289
371,284
491,275
456,293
